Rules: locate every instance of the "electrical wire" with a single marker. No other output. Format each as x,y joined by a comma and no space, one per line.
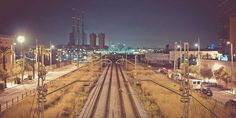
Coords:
174,91
194,105
205,106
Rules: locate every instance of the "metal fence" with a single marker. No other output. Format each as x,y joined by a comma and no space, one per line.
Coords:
15,100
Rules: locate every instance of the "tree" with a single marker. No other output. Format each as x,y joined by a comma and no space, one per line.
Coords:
206,71
222,74
194,69
3,76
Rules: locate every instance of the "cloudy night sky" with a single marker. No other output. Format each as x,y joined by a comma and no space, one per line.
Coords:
148,23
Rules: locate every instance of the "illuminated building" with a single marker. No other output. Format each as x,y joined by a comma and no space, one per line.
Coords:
226,9
6,47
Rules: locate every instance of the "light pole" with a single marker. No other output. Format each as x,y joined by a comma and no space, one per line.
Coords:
13,55
135,63
175,56
198,53
126,66
21,40
232,59
51,48
198,50
180,53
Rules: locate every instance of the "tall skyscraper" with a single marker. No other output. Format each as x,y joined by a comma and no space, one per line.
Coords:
226,9
101,40
93,38
75,34
83,33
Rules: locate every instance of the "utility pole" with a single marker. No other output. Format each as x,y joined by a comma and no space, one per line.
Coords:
50,47
78,58
232,61
180,53
101,61
135,62
126,66
175,56
185,83
34,59
41,88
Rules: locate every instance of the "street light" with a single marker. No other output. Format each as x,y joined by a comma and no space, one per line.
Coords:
175,55
21,40
180,53
232,59
198,49
197,45
51,48
13,57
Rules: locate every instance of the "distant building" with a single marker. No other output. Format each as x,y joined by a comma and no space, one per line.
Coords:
226,9
75,34
6,55
84,41
101,40
93,38
233,31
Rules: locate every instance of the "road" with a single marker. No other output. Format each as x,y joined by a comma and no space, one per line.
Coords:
18,90
112,97
221,95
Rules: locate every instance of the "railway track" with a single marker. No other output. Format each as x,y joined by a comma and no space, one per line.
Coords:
111,97
130,100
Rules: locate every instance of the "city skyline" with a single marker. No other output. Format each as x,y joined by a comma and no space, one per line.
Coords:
133,22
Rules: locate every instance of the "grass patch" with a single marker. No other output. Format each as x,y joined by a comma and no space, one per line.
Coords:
66,102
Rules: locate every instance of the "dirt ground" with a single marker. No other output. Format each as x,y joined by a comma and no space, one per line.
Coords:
162,103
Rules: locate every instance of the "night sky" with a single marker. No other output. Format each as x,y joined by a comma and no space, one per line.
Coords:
148,23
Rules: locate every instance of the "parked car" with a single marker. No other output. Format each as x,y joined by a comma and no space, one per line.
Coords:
176,76
207,91
231,102
164,71
196,84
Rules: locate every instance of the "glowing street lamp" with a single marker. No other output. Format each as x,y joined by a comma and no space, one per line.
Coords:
232,58
197,45
21,40
180,52
51,48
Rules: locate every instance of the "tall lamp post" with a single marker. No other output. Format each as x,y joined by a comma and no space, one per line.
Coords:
13,57
198,53
175,46
180,54
21,40
51,48
232,59
198,49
